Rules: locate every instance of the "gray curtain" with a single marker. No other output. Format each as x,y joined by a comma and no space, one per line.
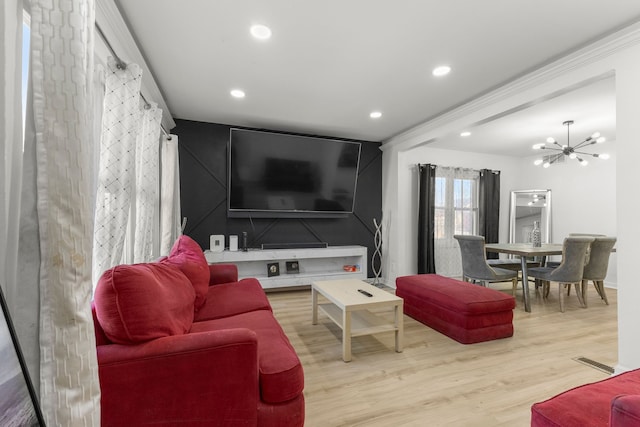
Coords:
489,209
426,260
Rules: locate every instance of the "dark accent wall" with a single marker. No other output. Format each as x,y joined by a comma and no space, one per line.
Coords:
203,197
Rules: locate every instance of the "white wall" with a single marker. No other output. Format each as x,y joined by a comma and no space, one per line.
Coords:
583,198
407,218
618,53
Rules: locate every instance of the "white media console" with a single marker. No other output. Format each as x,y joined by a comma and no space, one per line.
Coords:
313,264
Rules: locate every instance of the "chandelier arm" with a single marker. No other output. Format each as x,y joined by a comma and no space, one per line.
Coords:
551,148
555,157
586,154
587,141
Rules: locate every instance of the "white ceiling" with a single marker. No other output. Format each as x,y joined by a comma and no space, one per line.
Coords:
330,63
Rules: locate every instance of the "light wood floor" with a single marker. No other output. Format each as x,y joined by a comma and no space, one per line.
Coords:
439,382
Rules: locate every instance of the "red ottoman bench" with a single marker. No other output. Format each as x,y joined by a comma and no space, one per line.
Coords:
463,311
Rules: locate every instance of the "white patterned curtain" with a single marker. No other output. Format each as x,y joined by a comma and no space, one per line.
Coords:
61,78
456,212
147,185
169,193
116,176
10,141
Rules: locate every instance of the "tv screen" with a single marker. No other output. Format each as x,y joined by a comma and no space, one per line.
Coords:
282,175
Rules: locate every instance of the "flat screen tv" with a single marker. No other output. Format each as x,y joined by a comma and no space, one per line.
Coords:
290,176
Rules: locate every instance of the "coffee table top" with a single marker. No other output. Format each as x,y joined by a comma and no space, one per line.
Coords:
344,293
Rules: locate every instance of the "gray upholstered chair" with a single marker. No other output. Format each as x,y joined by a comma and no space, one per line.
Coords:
597,266
570,270
554,264
474,263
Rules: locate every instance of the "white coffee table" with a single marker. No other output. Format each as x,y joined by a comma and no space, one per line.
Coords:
349,309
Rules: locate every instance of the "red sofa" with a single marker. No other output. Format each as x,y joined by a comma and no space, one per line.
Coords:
614,402
180,342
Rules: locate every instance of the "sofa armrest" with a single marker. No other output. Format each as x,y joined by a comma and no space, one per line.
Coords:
209,378
222,273
625,411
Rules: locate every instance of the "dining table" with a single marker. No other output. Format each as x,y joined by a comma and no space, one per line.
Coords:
524,251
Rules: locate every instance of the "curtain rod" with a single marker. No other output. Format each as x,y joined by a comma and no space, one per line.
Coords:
121,65
420,165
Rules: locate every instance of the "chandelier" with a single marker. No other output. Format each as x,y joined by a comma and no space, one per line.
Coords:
559,152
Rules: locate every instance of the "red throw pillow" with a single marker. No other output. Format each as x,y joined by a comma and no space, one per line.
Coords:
141,302
187,255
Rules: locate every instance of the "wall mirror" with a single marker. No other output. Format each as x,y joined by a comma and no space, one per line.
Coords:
528,206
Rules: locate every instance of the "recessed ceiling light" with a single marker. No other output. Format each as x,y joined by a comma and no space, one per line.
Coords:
237,93
465,133
261,32
442,70
375,115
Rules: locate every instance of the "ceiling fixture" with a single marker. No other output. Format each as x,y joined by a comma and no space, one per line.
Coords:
237,93
375,115
442,70
261,32
567,150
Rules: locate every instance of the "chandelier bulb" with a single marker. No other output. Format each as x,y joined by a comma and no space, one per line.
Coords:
583,162
595,135
538,146
538,162
546,165
572,156
603,156
601,140
550,140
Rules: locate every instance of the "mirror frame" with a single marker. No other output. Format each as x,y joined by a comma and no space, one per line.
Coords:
546,236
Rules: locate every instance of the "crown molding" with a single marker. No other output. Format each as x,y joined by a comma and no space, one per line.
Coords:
115,29
583,57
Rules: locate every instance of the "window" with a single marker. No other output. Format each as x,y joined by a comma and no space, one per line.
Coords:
456,212
465,206
456,206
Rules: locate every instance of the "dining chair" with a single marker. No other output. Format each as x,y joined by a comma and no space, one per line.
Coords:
475,267
569,272
554,264
597,266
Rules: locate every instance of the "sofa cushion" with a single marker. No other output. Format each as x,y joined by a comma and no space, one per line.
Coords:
280,370
187,255
233,298
141,302
625,411
588,404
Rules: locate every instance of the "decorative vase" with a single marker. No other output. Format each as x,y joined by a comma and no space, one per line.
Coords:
536,237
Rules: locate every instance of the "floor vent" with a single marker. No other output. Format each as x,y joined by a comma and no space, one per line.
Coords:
597,365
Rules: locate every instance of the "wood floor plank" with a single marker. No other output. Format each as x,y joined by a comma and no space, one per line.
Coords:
436,381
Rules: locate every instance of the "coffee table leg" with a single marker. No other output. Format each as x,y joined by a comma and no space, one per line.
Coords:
314,306
399,324
346,336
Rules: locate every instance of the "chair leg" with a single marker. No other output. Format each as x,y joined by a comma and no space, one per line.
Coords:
585,284
514,286
579,293
603,293
561,296
545,288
